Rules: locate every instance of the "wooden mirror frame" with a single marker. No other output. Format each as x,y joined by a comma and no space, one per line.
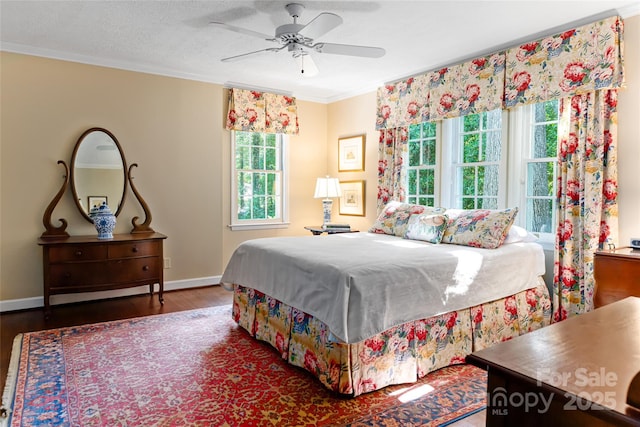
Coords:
73,166
52,231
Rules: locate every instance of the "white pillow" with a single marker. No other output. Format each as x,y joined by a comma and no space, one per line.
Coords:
519,234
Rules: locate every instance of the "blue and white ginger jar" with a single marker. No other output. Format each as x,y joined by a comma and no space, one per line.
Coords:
104,220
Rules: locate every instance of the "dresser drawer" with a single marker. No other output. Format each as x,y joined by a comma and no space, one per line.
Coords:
73,253
68,275
134,270
134,249
73,264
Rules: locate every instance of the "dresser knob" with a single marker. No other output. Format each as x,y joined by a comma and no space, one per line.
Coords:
135,249
78,253
145,268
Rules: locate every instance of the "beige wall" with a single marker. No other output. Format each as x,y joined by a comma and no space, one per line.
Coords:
355,116
173,129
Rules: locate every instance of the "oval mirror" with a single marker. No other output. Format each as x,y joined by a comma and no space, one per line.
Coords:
98,172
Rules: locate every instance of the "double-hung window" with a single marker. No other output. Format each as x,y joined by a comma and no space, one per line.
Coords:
422,164
489,160
259,180
540,162
476,161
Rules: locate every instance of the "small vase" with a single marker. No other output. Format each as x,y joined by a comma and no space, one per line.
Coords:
104,221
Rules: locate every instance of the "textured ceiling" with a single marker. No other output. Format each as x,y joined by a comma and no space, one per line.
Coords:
174,38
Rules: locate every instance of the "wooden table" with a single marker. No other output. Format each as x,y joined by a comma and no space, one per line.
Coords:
572,373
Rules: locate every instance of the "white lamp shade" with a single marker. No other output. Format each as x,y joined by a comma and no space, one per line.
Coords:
327,188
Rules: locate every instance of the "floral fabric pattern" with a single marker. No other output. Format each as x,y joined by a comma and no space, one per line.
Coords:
429,228
510,317
246,110
394,219
587,206
282,114
401,354
480,228
254,111
468,88
575,61
403,103
392,150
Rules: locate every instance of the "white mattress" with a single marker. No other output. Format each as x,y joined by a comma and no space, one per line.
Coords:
360,284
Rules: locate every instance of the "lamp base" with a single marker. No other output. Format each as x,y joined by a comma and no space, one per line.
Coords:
326,210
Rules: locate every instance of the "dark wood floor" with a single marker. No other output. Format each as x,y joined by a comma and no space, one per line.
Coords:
14,323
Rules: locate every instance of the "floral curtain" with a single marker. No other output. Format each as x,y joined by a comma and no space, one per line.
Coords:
575,61
471,87
403,103
587,196
392,149
254,111
468,88
282,114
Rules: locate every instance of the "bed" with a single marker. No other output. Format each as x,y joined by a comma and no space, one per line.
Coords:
361,311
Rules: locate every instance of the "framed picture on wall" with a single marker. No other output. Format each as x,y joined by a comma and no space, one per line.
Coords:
352,198
351,154
97,201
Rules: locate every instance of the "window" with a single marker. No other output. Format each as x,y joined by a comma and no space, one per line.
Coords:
489,160
258,180
540,162
476,159
422,163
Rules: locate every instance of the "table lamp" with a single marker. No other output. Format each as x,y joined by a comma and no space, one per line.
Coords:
327,188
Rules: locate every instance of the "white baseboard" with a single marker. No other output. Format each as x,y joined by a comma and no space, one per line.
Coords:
36,302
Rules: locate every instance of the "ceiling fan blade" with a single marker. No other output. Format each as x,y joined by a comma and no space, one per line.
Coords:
306,65
241,30
244,55
321,25
349,49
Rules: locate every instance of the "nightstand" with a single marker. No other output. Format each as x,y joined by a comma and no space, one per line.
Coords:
317,230
617,275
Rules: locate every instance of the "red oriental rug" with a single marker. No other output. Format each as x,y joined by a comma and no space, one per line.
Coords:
198,368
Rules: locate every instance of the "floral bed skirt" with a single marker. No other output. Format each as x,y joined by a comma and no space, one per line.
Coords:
399,355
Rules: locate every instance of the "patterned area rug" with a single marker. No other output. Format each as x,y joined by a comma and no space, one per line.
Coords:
198,368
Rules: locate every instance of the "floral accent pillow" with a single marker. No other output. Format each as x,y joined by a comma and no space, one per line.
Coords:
480,228
429,228
394,218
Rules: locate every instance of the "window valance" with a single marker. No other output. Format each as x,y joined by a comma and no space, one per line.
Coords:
579,60
254,111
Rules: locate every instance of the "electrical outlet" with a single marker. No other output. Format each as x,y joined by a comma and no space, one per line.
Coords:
167,262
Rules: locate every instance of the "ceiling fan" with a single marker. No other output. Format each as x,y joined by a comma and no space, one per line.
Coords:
299,40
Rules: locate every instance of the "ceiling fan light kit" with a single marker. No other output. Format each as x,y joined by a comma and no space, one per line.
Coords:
299,40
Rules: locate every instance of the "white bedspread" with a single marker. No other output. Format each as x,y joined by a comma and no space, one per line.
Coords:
360,284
